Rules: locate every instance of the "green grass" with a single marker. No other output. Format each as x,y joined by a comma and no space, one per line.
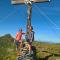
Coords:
44,51
47,51
7,48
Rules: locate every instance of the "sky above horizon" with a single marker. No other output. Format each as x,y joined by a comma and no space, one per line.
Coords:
45,19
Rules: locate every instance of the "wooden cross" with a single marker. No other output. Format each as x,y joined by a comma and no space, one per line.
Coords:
29,11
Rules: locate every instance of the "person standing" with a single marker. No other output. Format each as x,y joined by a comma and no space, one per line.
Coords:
31,34
19,40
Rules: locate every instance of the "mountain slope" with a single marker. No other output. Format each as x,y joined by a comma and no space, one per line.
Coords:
43,51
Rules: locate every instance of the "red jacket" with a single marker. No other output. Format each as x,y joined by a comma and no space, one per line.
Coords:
19,36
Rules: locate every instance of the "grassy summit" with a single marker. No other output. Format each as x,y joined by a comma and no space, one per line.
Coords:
44,51
7,48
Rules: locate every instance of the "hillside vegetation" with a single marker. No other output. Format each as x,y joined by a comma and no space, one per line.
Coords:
44,51
7,48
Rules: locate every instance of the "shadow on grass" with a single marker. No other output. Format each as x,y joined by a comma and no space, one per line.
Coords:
52,53
46,58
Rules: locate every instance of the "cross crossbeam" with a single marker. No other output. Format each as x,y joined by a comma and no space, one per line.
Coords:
23,1
29,12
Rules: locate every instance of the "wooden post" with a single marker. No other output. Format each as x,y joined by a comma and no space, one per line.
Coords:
29,11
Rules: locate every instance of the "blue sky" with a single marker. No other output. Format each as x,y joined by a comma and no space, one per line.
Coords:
45,19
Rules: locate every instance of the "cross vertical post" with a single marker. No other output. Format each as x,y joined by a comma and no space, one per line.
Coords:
29,11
